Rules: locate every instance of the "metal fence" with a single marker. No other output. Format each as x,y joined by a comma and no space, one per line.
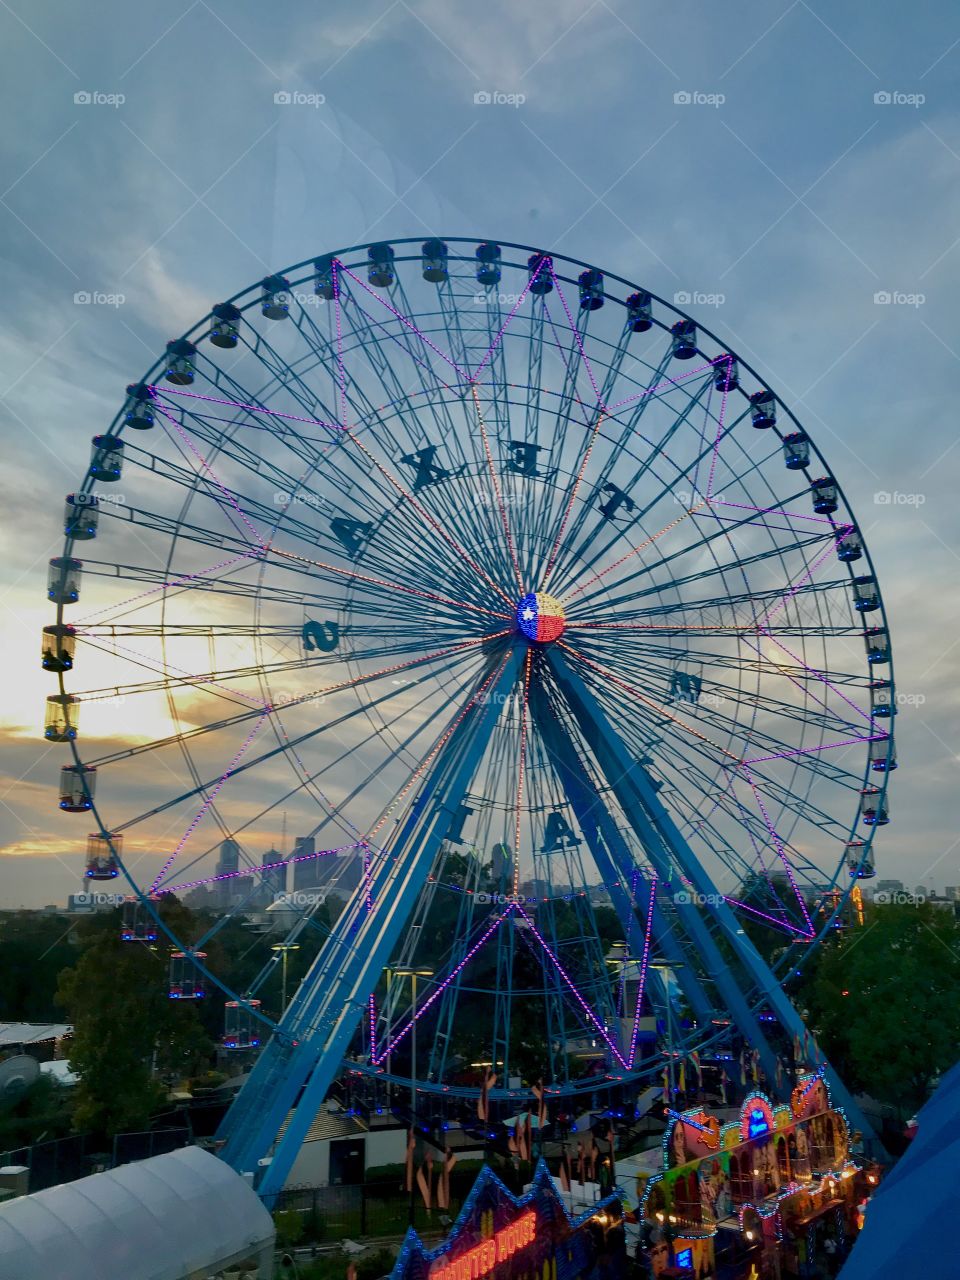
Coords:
67,1159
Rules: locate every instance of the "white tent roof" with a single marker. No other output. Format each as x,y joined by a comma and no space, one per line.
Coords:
12,1033
165,1218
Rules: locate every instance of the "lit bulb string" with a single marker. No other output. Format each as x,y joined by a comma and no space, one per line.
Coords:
378,1057
254,871
669,384
180,580
207,470
644,961
306,697
839,533
571,985
409,324
521,767
737,763
819,676
721,418
445,737
335,267
208,802
471,705
268,548
156,391
576,337
599,575
498,337
778,845
435,525
390,586
496,489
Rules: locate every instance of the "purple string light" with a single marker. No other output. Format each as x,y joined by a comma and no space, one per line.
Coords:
831,546
250,408
205,467
780,511
807,751
716,444
512,312
659,386
643,973
207,803
779,847
822,678
576,334
780,924
405,1030
572,986
409,323
258,871
173,582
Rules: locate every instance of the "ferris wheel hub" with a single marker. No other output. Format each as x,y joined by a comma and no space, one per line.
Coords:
540,617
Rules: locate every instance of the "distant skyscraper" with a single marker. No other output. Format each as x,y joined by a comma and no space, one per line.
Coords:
229,860
888,886
275,880
305,872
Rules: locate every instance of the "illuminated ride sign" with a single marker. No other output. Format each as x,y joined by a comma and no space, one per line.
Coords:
482,1258
756,1118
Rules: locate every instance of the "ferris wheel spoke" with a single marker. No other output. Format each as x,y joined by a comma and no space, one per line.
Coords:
620,498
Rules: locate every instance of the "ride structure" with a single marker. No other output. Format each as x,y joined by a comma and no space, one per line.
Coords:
539,612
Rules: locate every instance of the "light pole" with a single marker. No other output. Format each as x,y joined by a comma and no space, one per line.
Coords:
413,975
284,948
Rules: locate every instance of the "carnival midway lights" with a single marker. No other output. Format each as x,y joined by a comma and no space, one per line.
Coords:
523,597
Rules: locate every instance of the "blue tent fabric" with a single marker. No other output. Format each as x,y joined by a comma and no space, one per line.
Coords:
910,1226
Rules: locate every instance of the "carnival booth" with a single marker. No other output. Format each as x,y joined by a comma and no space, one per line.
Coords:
770,1193
528,1237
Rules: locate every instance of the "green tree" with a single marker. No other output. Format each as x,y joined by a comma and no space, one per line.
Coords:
884,1000
126,1029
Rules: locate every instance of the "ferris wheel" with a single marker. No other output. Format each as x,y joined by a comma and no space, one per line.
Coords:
530,607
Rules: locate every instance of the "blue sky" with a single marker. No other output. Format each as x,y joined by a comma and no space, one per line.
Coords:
792,164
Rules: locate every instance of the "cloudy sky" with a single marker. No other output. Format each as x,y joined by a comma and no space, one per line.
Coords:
794,168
